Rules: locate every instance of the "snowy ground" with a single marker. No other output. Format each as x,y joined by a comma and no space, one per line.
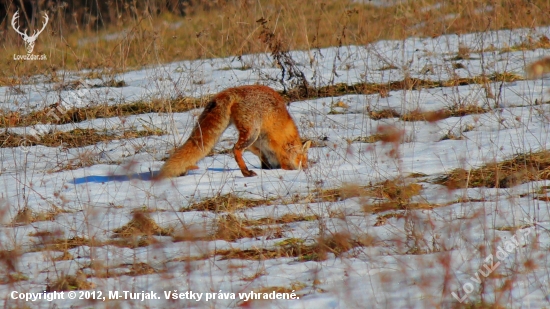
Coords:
387,273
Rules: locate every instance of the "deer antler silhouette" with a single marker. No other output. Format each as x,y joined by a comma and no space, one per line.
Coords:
29,40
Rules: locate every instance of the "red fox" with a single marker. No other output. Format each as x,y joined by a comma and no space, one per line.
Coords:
265,127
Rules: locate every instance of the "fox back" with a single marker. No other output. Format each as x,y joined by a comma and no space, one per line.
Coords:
265,127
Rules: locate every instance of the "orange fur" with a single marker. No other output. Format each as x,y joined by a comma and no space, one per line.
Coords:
265,127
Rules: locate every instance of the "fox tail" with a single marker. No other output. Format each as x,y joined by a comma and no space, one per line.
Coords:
211,124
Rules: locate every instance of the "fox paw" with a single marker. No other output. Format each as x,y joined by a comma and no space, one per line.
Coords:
249,173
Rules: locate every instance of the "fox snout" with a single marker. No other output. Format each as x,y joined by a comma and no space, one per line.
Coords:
303,162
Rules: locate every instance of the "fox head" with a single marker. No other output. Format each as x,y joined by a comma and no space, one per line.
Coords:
299,157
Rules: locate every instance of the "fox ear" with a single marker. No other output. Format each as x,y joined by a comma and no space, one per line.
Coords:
306,146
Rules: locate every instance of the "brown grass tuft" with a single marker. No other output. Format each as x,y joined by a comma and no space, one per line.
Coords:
141,225
430,116
72,139
531,43
337,243
138,269
26,215
9,273
368,139
64,244
395,190
384,114
434,116
342,193
249,254
395,205
405,84
56,115
389,134
13,277
70,283
9,259
382,220
286,218
66,256
230,227
520,169
227,202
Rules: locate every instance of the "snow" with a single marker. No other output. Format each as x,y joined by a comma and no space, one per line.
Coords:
456,237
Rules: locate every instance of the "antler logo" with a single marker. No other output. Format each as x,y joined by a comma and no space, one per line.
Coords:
29,40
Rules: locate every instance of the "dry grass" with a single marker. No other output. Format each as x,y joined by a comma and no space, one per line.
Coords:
55,114
391,195
233,28
85,158
64,244
66,256
230,227
26,215
542,194
392,136
337,244
222,203
72,139
434,116
284,219
339,194
141,225
70,283
409,83
52,115
390,189
139,232
520,169
369,139
134,242
430,116
383,114
139,269
9,259
513,229
383,219
531,43
12,278
396,190
396,205
478,305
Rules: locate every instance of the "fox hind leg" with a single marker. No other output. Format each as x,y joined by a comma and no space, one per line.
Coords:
246,139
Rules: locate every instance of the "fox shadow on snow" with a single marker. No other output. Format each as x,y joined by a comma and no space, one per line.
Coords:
146,176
